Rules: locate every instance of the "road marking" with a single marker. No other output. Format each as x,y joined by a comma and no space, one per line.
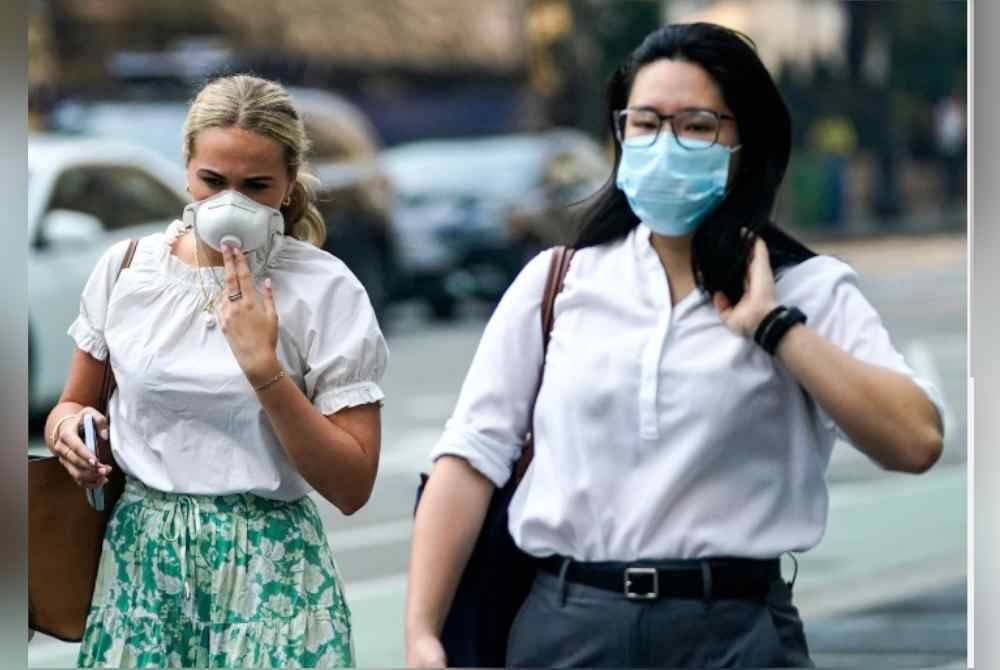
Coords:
429,406
377,587
411,453
376,535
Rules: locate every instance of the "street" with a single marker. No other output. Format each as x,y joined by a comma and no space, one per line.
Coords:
885,588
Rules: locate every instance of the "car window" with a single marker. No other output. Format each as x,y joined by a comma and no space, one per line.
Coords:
119,196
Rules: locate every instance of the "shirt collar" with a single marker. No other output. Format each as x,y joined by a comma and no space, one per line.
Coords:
649,260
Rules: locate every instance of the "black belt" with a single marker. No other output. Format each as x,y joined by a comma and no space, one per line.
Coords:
738,578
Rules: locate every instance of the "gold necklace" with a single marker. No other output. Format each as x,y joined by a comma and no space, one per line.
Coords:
209,305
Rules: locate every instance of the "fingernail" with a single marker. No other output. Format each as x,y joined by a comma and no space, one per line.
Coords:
267,282
93,461
104,433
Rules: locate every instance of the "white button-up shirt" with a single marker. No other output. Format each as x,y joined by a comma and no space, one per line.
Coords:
659,433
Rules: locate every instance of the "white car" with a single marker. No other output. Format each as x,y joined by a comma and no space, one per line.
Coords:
83,196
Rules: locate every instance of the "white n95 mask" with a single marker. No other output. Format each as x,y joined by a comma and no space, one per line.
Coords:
232,218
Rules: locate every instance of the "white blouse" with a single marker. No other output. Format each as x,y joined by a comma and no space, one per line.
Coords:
659,433
184,417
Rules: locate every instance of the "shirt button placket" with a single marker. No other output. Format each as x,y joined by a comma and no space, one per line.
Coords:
649,429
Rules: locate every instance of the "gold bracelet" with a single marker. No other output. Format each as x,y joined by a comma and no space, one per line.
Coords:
270,382
54,435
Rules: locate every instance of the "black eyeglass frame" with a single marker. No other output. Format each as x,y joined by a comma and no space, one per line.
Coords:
660,118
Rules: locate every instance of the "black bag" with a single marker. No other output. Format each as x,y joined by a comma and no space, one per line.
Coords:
498,575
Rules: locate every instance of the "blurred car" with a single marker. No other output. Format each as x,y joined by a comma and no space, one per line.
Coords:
355,195
83,196
484,206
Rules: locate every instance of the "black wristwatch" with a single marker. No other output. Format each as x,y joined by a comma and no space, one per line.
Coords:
774,326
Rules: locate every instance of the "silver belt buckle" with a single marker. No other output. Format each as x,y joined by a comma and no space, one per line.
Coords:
642,573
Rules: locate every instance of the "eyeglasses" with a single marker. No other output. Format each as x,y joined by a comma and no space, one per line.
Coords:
694,128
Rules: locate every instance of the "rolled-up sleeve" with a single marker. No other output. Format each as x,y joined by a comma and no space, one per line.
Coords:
493,414
837,310
346,353
87,330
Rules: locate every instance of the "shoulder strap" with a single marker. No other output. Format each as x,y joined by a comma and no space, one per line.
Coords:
558,267
553,285
108,385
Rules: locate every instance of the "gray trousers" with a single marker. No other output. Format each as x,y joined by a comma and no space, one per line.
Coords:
563,624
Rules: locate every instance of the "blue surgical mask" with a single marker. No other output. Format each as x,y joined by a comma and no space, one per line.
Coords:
670,188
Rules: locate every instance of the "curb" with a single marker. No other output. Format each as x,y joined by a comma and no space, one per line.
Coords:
899,254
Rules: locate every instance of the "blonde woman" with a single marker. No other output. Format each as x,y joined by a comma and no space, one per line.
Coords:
247,377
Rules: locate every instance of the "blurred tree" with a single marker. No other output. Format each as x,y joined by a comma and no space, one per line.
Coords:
575,46
42,70
902,57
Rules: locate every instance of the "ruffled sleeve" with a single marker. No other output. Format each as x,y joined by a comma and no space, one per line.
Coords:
826,290
345,351
88,328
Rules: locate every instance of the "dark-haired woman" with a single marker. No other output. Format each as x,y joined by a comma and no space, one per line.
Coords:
701,365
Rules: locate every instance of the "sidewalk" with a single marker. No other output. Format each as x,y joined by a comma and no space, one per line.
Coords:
901,254
932,238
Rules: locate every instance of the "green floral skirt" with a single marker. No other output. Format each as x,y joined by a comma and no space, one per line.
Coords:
216,581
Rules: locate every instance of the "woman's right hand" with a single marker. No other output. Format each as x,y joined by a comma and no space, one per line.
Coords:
425,651
80,462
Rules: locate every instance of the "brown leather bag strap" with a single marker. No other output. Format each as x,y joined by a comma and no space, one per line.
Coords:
108,385
553,285
558,268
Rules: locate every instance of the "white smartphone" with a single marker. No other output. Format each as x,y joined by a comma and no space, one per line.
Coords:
94,496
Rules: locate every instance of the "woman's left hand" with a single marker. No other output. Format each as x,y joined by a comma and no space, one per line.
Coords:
248,319
758,295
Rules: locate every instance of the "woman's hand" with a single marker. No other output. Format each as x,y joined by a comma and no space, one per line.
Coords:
249,319
80,462
425,651
758,295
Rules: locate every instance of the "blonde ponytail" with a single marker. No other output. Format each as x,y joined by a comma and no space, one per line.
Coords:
302,218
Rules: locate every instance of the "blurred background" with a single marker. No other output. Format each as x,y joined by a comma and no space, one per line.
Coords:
451,139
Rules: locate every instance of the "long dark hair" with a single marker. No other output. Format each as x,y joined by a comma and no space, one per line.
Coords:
719,252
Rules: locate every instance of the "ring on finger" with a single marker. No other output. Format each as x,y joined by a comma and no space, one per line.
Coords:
235,296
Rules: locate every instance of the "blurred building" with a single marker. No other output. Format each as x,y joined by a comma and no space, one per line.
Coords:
451,68
788,33
418,67
416,34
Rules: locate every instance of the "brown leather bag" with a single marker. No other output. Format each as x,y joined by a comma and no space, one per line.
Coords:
65,532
